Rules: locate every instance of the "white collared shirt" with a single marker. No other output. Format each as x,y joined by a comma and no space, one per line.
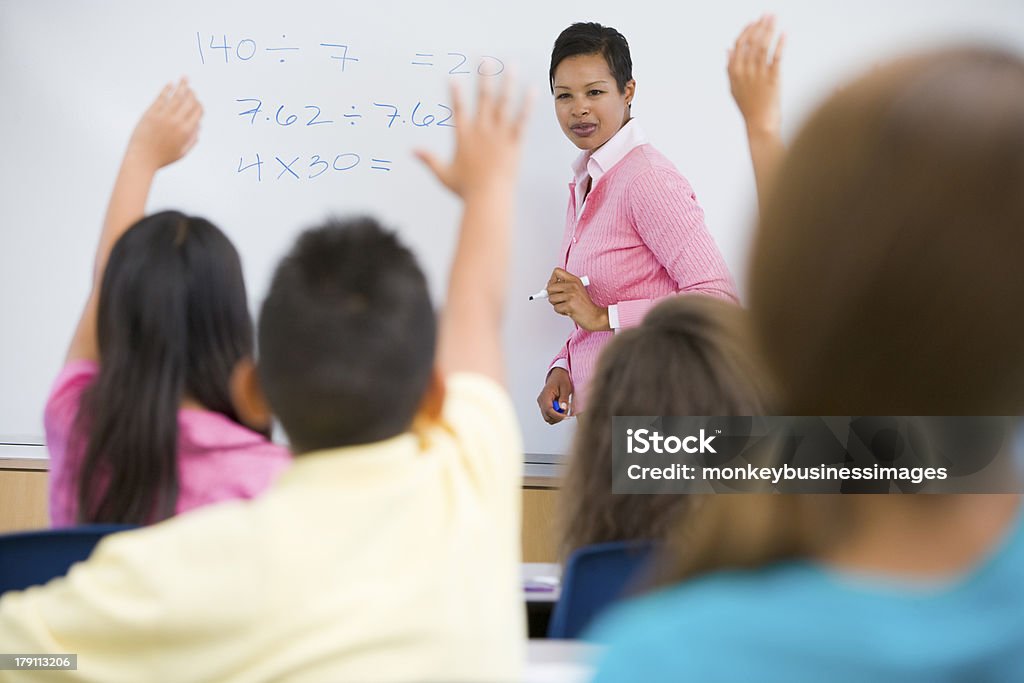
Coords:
599,161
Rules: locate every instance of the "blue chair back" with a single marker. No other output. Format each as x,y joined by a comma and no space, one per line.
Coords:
596,576
30,558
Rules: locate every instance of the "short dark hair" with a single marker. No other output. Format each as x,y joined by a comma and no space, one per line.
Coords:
347,336
589,38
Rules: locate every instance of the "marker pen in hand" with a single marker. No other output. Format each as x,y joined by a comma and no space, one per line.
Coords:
543,294
558,407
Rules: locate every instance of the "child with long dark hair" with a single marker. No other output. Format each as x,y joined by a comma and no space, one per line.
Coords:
143,421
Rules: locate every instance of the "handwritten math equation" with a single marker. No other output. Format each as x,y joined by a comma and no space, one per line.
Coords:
263,111
213,49
297,167
308,115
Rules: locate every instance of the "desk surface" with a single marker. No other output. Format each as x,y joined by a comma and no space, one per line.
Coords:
560,661
541,581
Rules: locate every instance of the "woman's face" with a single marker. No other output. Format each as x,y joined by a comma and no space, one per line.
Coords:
588,103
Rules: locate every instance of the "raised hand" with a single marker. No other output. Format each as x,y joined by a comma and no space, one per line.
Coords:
754,74
168,129
483,173
486,145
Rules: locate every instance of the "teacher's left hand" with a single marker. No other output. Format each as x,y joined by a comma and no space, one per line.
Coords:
568,296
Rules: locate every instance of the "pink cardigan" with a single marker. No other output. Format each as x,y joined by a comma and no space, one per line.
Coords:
640,238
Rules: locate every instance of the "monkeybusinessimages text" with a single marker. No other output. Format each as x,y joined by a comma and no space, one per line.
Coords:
645,441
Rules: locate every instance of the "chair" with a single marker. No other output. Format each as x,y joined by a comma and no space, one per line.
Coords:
31,558
595,577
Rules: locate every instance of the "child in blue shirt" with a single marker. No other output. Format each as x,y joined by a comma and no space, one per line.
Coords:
885,280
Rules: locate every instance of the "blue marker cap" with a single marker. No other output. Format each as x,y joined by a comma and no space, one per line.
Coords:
557,408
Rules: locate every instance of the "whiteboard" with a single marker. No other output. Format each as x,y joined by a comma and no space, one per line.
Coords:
333,96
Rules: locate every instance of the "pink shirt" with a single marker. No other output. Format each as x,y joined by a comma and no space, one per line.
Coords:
218,459
640,237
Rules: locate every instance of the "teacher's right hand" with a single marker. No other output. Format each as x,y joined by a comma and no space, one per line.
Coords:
558,387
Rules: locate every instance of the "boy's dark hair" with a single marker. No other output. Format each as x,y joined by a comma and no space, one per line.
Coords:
346,337
591,38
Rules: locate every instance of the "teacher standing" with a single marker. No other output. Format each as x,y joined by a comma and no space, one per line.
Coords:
633,226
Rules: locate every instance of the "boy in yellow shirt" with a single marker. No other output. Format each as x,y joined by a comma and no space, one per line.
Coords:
390,550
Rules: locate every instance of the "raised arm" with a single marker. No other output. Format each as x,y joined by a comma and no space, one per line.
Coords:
164,134
754,81
483,173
